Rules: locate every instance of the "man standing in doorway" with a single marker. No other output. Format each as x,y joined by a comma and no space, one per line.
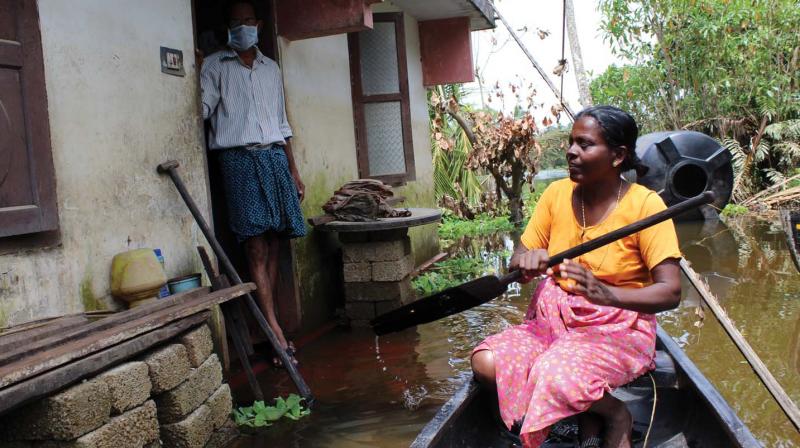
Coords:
243,99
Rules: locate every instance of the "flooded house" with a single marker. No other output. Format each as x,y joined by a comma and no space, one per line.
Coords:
89,111
95,94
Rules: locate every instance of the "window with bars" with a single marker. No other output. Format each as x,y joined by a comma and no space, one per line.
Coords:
382,114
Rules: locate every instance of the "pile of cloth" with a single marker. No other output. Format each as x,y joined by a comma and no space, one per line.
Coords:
362,200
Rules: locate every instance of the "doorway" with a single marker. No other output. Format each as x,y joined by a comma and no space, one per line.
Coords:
211,36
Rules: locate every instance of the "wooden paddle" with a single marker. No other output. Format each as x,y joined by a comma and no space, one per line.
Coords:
484,289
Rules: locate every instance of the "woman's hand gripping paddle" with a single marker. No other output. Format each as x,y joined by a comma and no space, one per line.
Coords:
484,289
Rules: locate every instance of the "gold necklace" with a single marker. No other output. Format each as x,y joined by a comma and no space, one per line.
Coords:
607,214
602,220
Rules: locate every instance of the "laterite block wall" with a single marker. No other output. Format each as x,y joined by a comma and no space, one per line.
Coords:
173,396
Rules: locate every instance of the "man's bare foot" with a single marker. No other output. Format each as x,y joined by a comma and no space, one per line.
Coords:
618,429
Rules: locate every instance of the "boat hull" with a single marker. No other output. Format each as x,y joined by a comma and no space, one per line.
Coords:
689,413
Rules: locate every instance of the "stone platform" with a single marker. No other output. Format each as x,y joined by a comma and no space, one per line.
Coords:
377,261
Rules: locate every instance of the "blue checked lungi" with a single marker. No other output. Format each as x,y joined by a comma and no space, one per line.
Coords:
261,193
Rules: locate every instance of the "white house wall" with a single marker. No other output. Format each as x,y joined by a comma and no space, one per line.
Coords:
319,104
316,76
113,117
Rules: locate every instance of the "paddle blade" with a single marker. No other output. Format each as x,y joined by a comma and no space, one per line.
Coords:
445,303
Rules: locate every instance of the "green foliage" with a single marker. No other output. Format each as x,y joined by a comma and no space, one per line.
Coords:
448,273
453,228
260,415
451,272
530,198
450,149
626,88
784,140
734,210
796,182
729,68
553,142
770,163
712,65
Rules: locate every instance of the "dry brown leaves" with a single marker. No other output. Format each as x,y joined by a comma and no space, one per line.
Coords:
503,142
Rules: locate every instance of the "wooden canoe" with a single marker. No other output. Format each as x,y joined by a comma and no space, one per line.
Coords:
689,412
791,225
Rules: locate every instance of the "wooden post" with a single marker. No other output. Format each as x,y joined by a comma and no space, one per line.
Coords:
774,388
234,323
170,168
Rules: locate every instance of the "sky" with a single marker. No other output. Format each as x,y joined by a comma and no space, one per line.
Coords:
507,63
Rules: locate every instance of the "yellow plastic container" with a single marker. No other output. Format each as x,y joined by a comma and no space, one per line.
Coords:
136,276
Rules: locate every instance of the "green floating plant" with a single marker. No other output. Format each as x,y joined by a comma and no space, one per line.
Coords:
260,415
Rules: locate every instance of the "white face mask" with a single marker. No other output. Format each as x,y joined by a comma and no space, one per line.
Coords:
243,37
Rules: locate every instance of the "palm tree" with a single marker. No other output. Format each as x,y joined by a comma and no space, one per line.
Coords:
584,96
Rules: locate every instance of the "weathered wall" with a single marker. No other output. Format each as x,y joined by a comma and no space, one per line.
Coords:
113,117
316,77
317,82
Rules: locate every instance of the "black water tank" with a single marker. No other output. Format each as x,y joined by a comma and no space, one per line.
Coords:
684,164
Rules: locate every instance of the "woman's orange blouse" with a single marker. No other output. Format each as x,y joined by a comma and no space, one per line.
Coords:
626,262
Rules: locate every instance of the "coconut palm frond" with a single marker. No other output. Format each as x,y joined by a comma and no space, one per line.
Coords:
762,151
774,176
789,151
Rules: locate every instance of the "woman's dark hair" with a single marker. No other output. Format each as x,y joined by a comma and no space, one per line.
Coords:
619,131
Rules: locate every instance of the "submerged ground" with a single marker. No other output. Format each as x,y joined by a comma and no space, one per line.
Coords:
381,391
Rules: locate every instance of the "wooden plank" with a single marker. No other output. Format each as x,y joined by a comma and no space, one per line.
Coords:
30,325
102,324
362,154
772,385
34,365
57,379
219,332
235,323
405,104
59,325
236,326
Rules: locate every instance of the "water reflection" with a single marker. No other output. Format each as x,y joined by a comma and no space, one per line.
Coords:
750,271
381,392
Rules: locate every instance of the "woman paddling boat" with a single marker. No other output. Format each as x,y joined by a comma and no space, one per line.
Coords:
591,325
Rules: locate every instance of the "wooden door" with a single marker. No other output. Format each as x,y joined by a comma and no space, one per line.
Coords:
27,183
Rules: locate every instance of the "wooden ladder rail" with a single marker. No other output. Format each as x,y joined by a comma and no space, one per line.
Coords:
235,324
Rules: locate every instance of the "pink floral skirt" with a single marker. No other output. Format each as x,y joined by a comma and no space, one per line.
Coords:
564,357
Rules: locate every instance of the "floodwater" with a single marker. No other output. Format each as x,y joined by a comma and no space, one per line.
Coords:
379,392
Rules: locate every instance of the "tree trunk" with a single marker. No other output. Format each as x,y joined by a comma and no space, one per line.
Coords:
515,209
584,96
515,198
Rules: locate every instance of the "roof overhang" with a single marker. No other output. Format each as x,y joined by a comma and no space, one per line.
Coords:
480,12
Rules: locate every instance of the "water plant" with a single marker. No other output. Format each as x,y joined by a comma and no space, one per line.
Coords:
260,415
454,271
734,210
453,227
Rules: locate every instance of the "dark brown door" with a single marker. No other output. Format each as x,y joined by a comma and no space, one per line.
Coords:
27,183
